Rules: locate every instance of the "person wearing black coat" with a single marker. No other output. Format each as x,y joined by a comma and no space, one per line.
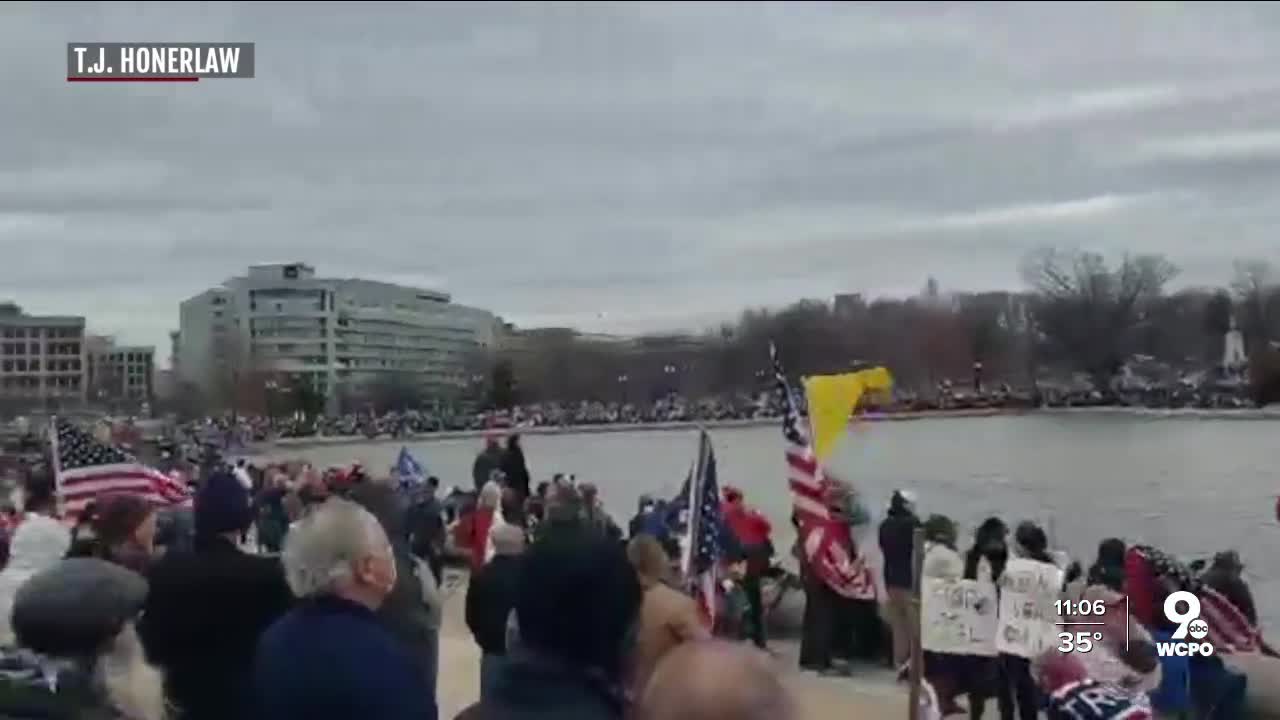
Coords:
569,661
491,596
514,467
425,524
896,538
207,608
487,461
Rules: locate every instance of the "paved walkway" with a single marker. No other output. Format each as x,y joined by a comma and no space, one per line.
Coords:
870,693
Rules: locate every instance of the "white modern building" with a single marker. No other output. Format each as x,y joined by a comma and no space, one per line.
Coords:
336,333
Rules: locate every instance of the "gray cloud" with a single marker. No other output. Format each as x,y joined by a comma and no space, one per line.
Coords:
634,166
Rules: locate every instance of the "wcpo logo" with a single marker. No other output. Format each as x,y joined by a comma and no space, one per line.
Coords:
1190,625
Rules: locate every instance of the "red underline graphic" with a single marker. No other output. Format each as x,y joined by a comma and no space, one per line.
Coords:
132,79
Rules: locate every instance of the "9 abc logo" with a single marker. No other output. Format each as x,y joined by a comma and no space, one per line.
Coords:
1189,623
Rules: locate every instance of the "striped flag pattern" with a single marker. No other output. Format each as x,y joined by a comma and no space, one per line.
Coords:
1229,630
85,468
829,555
705,527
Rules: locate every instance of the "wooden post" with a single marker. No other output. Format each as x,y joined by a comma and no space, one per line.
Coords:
917,651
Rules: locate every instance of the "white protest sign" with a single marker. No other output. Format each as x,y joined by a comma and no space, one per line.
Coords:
1028,591
958,617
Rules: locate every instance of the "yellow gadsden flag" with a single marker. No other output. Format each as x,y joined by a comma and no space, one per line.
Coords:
832,399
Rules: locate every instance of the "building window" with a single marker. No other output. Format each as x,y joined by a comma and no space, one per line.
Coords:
34,365
34,348
8,366
20,349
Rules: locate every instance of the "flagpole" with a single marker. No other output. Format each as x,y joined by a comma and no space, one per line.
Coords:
55,465
916,671
694,507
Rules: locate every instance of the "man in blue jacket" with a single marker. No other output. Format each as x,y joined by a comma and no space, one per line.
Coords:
330,658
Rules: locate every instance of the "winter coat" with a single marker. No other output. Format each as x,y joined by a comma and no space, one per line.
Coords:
487,461
38,543
204,615
482,521
896,538
332,659
517,471
490,599
539,688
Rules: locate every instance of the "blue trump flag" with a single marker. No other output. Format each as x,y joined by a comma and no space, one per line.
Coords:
408,471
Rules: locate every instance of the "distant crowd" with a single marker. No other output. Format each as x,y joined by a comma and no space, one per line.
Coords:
243,429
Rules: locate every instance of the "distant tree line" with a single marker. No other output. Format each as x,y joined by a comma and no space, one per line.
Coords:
1079,314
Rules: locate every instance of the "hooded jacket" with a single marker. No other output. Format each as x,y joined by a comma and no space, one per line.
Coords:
38,543
896,538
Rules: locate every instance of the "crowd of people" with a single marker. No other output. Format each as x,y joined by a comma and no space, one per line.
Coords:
1130,582
139,613
243,428
669,408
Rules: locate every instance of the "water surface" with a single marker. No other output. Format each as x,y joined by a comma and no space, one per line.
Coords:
1191,486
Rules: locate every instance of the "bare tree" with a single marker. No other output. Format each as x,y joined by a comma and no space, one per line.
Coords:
1086,312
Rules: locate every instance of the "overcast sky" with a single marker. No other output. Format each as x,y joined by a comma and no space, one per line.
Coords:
633,167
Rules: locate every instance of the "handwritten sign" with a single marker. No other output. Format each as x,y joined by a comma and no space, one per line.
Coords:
958,617
1028,590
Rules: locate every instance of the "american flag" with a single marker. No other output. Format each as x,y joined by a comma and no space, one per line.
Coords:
842,570
703,554
86,468
1229,629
